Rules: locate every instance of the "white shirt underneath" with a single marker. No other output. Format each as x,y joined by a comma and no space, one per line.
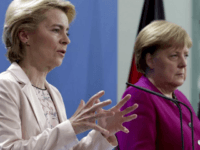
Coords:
47,106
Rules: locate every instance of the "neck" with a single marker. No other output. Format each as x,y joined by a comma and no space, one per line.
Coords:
35,72
165,88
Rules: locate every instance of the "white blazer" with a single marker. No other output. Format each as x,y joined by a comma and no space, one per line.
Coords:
23,125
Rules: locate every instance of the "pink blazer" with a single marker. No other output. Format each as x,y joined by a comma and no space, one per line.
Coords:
23,125
158,124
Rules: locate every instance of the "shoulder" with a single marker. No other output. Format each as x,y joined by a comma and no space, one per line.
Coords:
180,95
8,80
10,89
142,98
138,93
134,92
6,75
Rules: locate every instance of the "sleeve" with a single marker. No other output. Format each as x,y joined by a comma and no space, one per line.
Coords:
62,137
142,131
93,141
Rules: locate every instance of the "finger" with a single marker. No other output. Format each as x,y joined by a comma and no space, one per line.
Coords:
99,105
123,101
97,101
129,118
99,110
94,98
97,128
80,107
129,109
93,118
97,116
106,114
93,113
124,129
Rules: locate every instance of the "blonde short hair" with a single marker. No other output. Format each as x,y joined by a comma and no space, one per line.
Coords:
158,35
26,14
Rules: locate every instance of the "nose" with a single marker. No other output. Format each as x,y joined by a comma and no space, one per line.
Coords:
65,40
183,62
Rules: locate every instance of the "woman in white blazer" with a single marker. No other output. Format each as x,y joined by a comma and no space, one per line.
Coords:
32,112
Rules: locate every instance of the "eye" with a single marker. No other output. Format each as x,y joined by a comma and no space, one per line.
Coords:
56,30
186,55
68,34
173,56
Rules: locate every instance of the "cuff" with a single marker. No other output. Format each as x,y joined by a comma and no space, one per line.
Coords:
100,141
67,136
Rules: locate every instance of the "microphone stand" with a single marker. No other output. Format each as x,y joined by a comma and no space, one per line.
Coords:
199,111
180,111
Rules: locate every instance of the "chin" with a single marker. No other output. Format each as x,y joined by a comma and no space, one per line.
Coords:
58,63
179,83
54,65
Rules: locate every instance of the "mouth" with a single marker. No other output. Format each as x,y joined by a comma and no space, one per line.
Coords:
180,74
61,51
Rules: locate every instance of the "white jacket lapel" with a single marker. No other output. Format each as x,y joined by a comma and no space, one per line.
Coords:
58,102
36,106
28,90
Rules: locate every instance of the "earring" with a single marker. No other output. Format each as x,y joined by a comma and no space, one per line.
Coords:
27,44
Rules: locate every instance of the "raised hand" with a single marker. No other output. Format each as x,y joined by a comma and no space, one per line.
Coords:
114,124
84,117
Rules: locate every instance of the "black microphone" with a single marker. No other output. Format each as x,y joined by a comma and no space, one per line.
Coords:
178,105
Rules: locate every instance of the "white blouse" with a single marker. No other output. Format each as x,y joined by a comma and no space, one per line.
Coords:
47,106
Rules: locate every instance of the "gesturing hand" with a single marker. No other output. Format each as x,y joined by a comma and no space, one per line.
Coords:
114,124
84,117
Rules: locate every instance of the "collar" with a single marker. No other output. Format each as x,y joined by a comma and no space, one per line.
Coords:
144,82
19,74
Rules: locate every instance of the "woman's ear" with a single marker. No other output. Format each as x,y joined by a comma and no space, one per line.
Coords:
23,36
149,61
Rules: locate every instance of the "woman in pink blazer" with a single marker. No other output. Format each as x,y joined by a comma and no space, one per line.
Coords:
32,112
161,52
